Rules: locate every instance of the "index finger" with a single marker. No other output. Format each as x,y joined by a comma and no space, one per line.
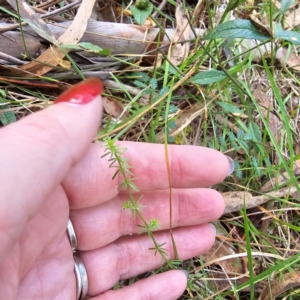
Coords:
90,182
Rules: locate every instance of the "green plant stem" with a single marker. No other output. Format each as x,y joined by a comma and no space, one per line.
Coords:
22,33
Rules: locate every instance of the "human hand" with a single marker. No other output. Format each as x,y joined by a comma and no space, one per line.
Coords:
50,171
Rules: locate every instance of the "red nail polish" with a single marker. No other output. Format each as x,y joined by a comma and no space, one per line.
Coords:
83,92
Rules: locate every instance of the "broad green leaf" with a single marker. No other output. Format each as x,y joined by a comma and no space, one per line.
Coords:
171,124
163,91
140,15
153,83
6,117
141,76
140,84
88,47
290,36
255,131
230,108
2,93
208,77
286,4
277,28
236,29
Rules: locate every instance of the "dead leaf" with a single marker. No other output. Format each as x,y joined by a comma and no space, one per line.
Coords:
261,22
284,177
280,285
292,18
33,19
48,60
62,62
219,249
113,107
120,11
236,200
267,110
183,30
185,118
290,59
152,49
232,267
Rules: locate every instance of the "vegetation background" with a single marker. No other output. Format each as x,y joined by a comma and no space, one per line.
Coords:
220,74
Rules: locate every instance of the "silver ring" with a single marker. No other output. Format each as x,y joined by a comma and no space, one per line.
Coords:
72,235
81,277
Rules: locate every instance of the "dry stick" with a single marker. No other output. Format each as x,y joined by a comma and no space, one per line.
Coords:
48,3
63,9
11,59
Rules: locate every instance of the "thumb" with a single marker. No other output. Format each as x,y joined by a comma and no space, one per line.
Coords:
37,152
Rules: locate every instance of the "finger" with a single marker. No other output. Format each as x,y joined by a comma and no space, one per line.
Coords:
37,152
90,182
168,286
130,256
102,224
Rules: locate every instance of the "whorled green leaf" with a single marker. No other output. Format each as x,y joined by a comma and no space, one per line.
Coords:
236,29
208,77
140,15
288,35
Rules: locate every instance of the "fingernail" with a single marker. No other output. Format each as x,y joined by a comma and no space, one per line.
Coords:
231,165
214,227
186,273
82,93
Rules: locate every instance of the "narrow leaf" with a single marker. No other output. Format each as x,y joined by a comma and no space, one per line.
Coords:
208,77
236,29
230,108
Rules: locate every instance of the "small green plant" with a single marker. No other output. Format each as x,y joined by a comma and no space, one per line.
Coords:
141,10
118,161
6,117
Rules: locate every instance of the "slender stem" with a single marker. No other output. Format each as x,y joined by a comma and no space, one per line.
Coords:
22,33
123,169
